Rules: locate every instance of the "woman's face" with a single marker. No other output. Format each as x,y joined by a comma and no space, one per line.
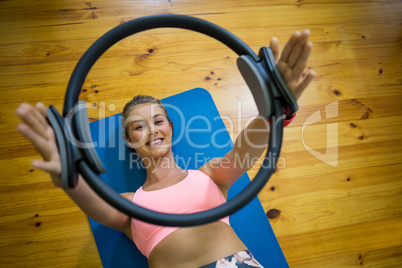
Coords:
149,131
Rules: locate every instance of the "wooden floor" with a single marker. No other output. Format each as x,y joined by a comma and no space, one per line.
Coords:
336,200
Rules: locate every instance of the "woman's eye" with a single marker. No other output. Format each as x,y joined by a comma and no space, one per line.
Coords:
159,122
138,127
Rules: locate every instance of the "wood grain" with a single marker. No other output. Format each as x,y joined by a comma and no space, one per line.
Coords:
344,213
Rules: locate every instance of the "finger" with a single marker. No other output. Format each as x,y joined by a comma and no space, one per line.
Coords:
27,113
304,84
302,61
49,167
274,45
297,48
40,144
289,46
41,119
52,140
41,108
40,116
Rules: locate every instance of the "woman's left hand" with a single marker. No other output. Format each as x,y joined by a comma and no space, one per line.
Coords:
293,60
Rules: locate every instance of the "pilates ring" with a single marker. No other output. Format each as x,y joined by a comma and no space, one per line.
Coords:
269,90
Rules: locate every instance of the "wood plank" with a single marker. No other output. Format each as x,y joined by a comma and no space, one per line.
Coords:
78,251
43,225
300,212
18,171
351,133
36,74
326,40
33,198
232,17
357,156
388,257
346,179
73,10
367,237
163,63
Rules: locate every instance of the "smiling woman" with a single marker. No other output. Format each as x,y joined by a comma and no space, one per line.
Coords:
141,113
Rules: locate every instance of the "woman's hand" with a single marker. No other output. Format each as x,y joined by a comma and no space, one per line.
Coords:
37,130
293,60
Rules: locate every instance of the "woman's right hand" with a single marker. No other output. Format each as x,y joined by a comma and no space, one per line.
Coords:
38,131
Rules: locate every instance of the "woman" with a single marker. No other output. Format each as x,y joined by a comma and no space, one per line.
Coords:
148,130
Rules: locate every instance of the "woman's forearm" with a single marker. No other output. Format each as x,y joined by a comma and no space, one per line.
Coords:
251,143
95,207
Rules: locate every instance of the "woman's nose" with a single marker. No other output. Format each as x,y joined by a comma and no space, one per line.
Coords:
153,130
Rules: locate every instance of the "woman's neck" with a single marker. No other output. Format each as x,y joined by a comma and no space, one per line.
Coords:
162,168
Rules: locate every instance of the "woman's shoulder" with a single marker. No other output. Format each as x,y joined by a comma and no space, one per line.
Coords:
129,196
206,170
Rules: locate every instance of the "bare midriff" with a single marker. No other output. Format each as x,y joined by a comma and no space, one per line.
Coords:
196,246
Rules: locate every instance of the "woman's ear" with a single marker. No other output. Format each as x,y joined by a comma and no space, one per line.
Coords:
129,142
130,145
171,127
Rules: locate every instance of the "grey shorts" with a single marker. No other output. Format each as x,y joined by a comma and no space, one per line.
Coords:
241,259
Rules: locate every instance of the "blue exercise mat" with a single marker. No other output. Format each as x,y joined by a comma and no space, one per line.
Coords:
199,136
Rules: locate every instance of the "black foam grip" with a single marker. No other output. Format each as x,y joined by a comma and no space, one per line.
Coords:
68,174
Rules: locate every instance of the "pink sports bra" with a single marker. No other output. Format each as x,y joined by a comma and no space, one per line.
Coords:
195,193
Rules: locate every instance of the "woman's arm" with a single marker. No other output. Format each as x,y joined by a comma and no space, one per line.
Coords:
37,130
253,139
98,209
249,145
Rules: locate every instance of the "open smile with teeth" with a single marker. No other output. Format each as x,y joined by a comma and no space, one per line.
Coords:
155,142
